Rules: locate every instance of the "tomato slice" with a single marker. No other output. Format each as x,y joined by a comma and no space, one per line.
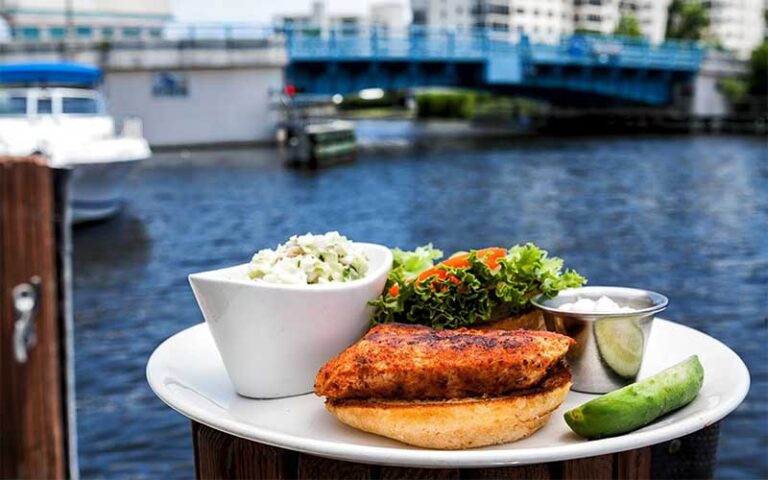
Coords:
394,290
489,256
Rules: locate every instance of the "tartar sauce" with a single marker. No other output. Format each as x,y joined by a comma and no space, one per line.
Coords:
601,305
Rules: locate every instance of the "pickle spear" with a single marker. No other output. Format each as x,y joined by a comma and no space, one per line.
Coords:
638,404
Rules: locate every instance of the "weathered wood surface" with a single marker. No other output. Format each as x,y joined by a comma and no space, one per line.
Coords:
219,455
592,468
32,413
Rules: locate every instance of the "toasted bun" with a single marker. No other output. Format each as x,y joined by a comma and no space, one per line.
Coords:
529,320
462,423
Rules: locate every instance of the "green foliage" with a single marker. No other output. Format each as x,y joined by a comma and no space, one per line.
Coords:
445,104
586,31
758,70
748,93
735,89
629,27
475,294
687,20
411,264
469,105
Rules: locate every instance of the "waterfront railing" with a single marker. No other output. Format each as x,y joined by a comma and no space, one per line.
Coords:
415,42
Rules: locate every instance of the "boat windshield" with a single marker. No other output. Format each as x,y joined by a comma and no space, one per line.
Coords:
12,103
44,105
80,105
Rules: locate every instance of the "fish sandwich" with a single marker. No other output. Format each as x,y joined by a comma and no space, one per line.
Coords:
447,389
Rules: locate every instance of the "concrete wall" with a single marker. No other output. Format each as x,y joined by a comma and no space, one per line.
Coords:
223,105
708,100
228,86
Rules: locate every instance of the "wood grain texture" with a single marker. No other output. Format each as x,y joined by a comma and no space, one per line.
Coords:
692,456
219,455
634,464
522,472
32,413
398,473
592,468
311,467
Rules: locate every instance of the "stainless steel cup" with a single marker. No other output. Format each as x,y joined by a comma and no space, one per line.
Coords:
609,347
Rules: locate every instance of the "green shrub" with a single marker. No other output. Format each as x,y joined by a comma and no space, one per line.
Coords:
735,89
445,104
758,70
468,105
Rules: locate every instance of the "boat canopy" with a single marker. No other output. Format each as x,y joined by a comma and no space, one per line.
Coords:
49,74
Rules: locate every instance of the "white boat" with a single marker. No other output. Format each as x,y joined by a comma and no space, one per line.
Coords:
56,110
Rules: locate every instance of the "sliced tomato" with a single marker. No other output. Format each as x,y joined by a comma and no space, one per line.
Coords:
489,256
394,290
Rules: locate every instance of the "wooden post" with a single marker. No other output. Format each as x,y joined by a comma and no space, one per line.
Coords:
33,410
219,455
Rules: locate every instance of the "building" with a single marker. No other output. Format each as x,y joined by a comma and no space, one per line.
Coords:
389,15
603,16
600,16
542,22
317,18
180,93
98,20
445,13
737,25
650,14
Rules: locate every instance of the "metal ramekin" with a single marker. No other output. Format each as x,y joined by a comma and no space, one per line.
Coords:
609,347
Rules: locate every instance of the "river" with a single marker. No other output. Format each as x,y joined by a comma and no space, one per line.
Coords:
686,216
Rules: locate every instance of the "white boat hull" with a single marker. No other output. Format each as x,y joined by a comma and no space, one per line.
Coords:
71,127
97,189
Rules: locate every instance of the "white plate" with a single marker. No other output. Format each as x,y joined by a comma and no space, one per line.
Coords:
186,372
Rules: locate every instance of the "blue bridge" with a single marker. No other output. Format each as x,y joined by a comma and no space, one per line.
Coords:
579,68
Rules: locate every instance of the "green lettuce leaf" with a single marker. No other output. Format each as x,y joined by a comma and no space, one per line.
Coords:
471,295
411,264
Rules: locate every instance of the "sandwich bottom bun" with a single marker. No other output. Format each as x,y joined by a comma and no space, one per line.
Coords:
461,423
531,319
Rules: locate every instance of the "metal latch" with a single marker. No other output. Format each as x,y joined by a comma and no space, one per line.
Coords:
25,298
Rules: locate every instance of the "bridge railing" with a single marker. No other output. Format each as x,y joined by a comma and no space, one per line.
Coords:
419,42
381,42
620,51
201,31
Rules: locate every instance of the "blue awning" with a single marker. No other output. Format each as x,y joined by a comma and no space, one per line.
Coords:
50,74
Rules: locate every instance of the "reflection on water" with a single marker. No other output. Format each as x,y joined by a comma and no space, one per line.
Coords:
683,216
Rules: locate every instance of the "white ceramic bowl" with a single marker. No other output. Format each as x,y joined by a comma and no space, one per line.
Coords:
274,338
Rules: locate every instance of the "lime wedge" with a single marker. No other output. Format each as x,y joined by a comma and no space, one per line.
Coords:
620,342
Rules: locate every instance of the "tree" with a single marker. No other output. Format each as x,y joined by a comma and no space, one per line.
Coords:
750,91
586,31
687,20
758,70
629,27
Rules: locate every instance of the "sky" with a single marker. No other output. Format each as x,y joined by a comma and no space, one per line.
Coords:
260,10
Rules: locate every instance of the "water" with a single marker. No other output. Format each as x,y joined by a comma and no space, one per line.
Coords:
686,216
